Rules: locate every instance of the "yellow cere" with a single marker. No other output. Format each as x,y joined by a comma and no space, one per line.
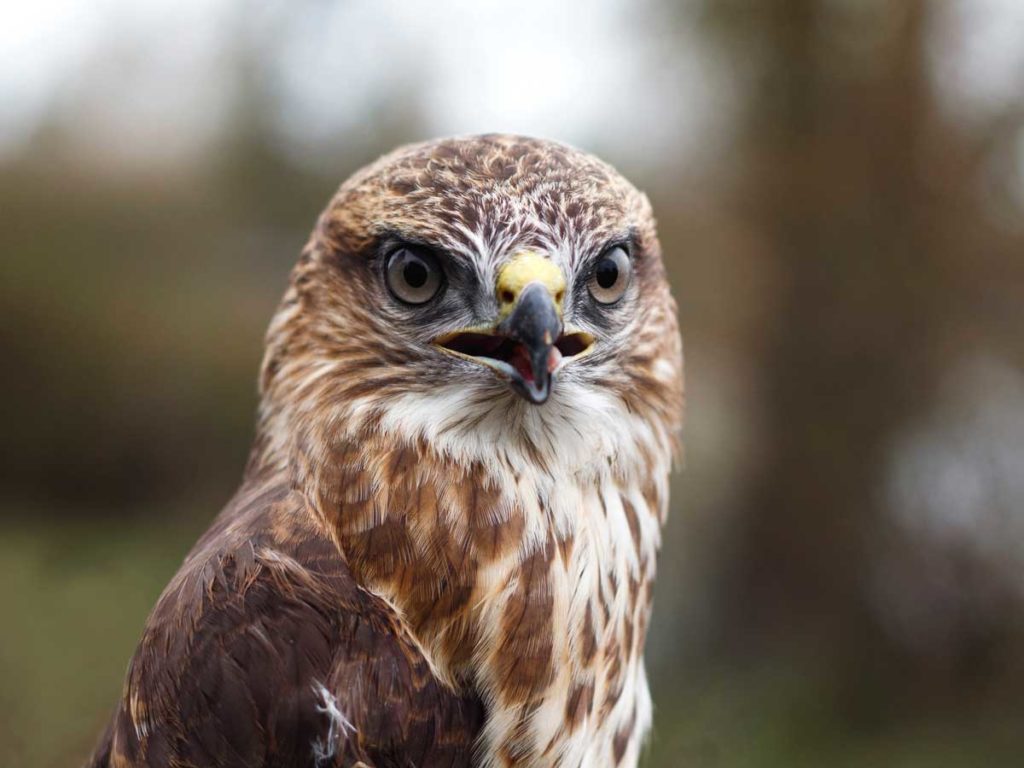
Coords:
528,267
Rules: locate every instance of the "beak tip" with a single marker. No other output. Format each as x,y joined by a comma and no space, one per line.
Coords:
537,395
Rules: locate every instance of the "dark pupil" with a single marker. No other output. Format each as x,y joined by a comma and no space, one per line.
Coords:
607,273
415,273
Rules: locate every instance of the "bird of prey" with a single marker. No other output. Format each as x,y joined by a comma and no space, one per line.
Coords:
443,548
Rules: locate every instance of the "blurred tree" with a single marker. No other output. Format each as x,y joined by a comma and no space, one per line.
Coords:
870,202
135,297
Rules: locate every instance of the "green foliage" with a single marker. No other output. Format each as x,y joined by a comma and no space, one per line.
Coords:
75,594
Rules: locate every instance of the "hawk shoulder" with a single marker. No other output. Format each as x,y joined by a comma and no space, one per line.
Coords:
263,651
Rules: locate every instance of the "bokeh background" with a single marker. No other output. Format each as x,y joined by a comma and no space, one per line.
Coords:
840,189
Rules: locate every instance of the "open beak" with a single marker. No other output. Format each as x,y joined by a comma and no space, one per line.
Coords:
528,343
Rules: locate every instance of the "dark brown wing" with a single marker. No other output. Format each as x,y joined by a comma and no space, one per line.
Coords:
263,651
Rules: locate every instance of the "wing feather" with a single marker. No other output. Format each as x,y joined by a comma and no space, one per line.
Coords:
265,652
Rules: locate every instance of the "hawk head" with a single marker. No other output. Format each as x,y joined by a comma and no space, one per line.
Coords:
496,296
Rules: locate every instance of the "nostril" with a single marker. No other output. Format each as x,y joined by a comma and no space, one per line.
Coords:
507,296
559,296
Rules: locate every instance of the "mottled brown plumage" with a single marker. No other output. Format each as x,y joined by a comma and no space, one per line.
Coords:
426,566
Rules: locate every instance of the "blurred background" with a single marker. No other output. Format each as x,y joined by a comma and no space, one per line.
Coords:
840,190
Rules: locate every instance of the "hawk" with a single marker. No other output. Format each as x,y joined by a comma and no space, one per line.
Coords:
443,549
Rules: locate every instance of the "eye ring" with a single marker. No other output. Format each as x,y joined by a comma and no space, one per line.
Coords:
611,275
413,275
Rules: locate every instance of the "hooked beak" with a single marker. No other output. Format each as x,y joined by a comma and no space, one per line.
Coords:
527,345
535,324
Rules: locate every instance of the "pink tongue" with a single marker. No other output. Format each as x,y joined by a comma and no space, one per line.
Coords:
554,359
520,360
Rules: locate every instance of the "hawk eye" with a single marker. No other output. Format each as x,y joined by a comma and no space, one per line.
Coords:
610,278
413,275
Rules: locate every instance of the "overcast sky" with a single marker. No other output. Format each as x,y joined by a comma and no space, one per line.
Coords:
145,76
156,72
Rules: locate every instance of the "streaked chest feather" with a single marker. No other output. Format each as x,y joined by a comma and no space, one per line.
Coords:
530,582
